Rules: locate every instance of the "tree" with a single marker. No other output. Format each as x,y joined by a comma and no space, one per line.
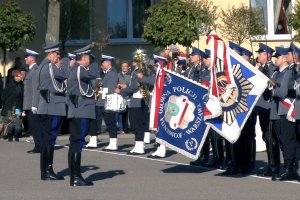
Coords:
238,24
295,21
177,21
52,34
16,27
101,40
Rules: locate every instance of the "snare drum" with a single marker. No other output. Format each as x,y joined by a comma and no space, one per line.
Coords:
115,103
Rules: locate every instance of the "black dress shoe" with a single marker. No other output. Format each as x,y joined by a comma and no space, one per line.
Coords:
110,150
214,163
134,153
154,156
33,151
91,147
199,162
285,176
234,170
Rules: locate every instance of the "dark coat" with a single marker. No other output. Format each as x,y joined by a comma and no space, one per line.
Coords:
12,97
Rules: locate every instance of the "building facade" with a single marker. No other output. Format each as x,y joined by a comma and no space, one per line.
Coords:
87,21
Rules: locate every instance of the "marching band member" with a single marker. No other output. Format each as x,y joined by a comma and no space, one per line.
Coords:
161,149
109,84
81,111
136,109
93,142
50,106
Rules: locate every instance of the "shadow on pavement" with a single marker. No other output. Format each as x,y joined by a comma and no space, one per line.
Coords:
105,175
186,169
83,169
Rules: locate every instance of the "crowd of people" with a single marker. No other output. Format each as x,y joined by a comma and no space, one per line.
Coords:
75,91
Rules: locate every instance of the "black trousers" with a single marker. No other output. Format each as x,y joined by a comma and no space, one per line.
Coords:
137,122
48,129
244,147
79,127
264,120
298,140
286,132
146,119
99,116
111,123
33,127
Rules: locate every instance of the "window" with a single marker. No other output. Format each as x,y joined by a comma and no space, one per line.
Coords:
127,25
75,22
276,14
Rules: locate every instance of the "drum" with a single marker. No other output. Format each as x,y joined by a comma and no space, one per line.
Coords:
115,103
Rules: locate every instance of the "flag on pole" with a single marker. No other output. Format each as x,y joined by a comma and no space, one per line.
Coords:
180,119
236,85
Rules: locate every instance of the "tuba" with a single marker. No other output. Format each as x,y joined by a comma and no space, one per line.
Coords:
140,59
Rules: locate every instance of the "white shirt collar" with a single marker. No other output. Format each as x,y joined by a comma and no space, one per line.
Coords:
106,70
283,68
31,65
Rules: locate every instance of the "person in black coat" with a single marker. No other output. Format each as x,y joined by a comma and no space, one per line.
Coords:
12,98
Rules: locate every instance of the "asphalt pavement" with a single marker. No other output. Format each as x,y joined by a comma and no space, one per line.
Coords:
119,176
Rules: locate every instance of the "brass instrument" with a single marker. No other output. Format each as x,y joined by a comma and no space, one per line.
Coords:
140,59
98,89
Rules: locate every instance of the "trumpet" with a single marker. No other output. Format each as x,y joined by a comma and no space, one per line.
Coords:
98,88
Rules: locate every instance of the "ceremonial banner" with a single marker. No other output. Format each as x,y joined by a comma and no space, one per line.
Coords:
236,87
181,124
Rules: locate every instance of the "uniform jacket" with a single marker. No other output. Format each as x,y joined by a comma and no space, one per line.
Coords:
263,103
28,87
109,81
55,104
284,89
79,105
195,72
129,92
297,100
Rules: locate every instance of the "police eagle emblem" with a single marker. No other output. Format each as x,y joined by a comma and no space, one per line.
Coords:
233,99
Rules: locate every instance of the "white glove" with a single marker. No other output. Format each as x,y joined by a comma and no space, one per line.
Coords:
34,110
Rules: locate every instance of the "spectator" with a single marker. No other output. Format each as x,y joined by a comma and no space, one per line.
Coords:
124,78
17,65
12,98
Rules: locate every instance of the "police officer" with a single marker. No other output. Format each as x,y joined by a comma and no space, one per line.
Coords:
160,62
181,66
30,60
195,73
243,152
50,105
215,139
109,84
262,109
297,111
285,130
249,146
81,111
